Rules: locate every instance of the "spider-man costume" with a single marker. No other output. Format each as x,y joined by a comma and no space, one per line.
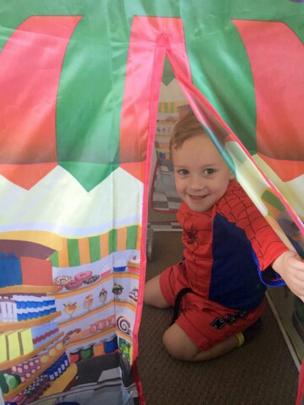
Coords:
228,251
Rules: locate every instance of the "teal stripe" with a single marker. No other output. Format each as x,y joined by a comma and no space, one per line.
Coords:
54,259
112,240
73,252
132,236
94,243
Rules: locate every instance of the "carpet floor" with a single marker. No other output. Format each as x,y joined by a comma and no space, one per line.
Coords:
261,372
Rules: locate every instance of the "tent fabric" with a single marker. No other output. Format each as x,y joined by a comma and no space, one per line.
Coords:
80,85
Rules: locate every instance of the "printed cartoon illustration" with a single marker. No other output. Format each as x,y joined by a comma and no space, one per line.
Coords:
70,308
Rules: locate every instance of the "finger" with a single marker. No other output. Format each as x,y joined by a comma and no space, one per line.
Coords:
294,262
297,278
299,292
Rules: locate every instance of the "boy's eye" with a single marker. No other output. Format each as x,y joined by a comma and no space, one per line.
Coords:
182,172
209,171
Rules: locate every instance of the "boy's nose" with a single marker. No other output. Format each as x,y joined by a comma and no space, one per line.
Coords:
196,183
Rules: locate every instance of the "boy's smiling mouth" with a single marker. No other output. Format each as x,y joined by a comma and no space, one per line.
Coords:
197,197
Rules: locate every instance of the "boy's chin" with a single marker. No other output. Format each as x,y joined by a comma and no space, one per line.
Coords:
199,206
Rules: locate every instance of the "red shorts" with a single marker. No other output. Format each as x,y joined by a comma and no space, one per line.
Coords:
205,322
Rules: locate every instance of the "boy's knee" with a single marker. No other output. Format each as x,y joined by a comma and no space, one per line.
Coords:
179,348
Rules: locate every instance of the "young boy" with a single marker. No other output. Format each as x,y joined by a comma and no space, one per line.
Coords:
217,288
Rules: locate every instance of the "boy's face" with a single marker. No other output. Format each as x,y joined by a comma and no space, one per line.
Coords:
201,175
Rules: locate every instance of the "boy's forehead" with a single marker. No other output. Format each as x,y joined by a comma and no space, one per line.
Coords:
200,148
200,141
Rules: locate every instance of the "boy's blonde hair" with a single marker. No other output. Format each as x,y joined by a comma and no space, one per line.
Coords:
185,128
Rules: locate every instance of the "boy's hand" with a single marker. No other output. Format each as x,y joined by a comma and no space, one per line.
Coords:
291,268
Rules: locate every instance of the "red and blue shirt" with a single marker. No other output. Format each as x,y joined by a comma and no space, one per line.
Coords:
228,250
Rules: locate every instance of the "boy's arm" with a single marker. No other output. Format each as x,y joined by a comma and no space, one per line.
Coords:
291,268
271,251
266,244
268,247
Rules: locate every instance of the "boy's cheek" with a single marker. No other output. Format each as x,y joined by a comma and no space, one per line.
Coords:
180,193
179,186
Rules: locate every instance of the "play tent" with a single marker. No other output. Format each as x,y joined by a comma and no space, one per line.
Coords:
79,98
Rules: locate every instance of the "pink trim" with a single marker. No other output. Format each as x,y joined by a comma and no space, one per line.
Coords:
300,391
139,386
151,39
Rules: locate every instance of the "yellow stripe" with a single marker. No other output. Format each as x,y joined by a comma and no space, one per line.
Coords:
63,257
121,239
84,250
162,149
126,275
104,244
161,107
49,239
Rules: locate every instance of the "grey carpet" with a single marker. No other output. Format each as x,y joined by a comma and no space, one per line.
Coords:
261,372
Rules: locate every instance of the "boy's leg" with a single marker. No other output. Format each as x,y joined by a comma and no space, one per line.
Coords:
161,290
205,330
153,295
181,347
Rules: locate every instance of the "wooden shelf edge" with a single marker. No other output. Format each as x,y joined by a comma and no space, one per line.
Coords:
62,382
77,291
89,338
27,289
121,303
